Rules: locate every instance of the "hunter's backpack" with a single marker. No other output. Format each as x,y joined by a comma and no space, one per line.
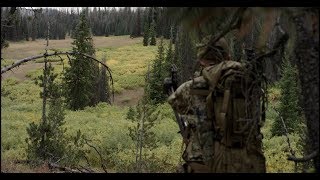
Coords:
231,104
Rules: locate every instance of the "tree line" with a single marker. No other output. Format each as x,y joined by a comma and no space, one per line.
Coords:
30,24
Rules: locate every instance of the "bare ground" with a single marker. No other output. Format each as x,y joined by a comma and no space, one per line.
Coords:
128,97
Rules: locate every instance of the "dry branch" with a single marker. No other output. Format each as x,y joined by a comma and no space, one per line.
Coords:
305,158
101,159
61,168
234,23
22,61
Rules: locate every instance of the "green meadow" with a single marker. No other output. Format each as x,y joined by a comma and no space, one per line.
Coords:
106,125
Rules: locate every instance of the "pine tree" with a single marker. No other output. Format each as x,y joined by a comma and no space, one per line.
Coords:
152,34
144,117
47,140
130,113
104,89
289,108
80,78
169,58
184,55
34,32
155,84
136,32
146,33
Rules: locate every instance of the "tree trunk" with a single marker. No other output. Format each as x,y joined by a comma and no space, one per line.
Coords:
307,59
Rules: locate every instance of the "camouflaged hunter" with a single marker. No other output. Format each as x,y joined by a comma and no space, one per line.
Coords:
223,132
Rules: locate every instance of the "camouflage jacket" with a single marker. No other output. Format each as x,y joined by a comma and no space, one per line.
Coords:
192,108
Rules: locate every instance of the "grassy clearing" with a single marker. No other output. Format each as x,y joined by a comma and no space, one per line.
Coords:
106,125
22,49
128,64
127,58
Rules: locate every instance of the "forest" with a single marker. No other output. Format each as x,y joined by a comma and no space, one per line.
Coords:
82,89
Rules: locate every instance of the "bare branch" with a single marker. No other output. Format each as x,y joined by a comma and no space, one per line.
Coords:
61,168
87,169
101,159
22,61
278,46
286,132
268,54
234,23
305,158
19,62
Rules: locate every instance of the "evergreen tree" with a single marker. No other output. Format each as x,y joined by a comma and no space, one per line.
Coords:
146,33
137,26
289,108
130,113
155,83
104,85
169,59
80,78
46,140
144,117
184,55
152,33
34,32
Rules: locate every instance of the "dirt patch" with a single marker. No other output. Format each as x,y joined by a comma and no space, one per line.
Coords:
128,97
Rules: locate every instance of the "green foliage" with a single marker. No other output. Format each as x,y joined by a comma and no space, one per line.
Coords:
81,78
276,151
169,59
185,55
304,146
6,62
103,85
46,140
154,87
146,33
6,83
131,114
276,148
289,108
106,125
152,34
128,64
147,137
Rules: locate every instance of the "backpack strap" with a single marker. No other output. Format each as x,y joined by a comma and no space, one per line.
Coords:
200,92
221,116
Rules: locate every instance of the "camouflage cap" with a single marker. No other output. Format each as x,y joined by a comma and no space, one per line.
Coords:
221,45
